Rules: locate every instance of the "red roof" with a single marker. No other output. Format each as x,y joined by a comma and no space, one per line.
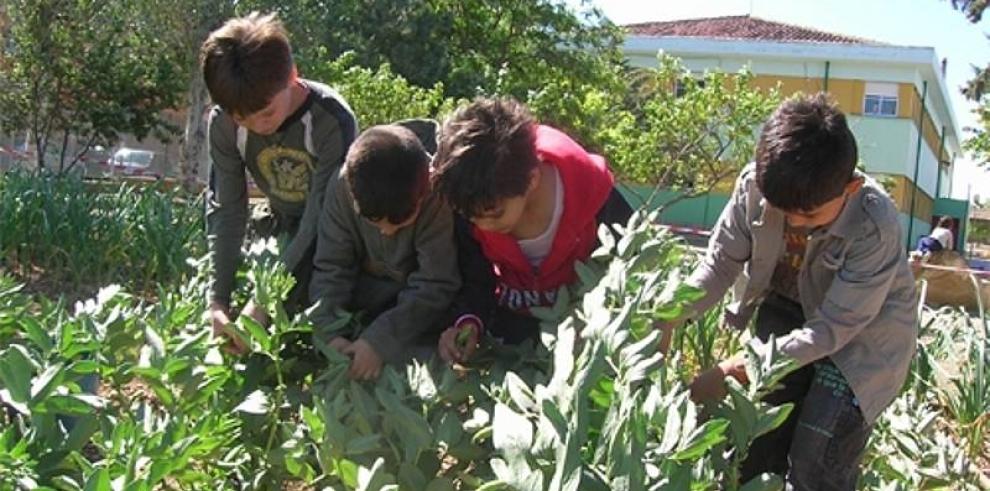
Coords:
740,27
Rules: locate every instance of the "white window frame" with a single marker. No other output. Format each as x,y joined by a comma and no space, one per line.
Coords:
881,92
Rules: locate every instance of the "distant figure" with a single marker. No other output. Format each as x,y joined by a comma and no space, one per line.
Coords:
940,239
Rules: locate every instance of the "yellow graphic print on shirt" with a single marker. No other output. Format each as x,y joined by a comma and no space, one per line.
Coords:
287,172
785,275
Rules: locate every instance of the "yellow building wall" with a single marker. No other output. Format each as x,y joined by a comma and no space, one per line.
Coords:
849,94
900,188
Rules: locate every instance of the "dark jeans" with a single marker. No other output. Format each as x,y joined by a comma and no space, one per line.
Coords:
821,444
511,327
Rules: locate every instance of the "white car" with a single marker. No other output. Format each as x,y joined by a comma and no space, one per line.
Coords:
131,161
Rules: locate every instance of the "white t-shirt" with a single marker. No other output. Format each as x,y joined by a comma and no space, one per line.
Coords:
537,248
944,236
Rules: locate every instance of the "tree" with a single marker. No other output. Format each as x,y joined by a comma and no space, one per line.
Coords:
977,89
85,69
666,127
471,46
468,47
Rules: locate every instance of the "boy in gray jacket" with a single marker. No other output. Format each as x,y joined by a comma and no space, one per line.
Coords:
288,133
820,248
385,247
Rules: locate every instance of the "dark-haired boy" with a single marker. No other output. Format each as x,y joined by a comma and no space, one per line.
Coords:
385,247
826,272
290,134
531,200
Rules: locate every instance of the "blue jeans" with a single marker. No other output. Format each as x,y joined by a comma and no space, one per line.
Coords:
821,444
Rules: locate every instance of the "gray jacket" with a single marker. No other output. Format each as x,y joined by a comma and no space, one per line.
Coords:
291,167
412,273
856,287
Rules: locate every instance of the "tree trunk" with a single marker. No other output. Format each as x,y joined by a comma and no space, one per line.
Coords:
193,151
61,153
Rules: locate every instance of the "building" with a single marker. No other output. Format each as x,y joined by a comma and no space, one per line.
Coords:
895,97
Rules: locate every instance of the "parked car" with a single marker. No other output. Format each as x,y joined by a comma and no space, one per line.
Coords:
130,161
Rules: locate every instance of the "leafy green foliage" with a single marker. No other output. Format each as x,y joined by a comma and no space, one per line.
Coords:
86,69
380,96
68,233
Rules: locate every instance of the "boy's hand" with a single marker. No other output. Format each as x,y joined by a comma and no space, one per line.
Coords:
220,321
339,344
365,363
256,312
709,385
457,344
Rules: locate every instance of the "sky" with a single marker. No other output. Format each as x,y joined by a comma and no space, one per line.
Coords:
930,23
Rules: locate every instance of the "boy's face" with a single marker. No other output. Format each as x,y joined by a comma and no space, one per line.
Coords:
824,214
270,118
503,217
388,229
507,212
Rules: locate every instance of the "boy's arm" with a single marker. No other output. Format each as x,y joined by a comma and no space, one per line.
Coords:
729,247
429,289
477,294
226,208
857,294
331,148
335,262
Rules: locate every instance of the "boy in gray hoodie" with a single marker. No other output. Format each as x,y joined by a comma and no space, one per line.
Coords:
385,247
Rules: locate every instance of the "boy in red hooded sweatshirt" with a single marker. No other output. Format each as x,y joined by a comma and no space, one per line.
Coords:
529,200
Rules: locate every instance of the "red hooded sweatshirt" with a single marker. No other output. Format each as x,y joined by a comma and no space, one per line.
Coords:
587,183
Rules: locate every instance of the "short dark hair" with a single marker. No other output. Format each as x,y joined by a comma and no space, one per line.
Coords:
246,62
486,153
806,154
945,221
387,172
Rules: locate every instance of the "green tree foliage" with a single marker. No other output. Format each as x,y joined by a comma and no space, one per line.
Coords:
86,69
666,126
472,46
380,96
976,89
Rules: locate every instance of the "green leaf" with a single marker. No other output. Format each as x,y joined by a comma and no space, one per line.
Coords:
45,383
773,418
98,481
16,370
496,485
512,433
362,444
257,332
34,331
375,478
702,440
347,471
313,422
520,393
440,484
72,404
255,403
449,432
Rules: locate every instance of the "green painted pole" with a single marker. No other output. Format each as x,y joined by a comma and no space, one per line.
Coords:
828,65
917,165
938,181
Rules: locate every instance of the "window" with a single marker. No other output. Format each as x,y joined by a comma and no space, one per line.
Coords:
880,99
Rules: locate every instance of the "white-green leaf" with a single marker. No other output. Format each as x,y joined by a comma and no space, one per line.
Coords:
255,403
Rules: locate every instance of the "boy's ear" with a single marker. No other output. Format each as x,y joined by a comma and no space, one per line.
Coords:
534,179
854,185
294,74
